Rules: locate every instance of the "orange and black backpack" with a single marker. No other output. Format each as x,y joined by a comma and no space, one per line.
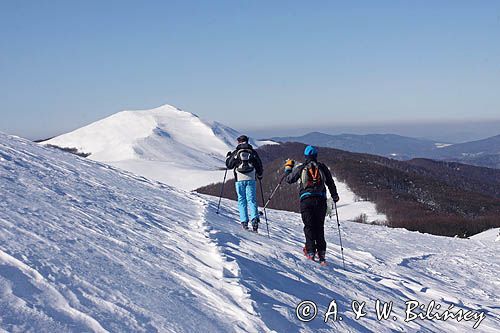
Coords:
312,178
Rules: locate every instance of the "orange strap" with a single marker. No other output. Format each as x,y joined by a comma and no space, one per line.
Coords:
315,174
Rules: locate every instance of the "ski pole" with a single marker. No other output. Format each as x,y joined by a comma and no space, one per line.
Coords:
265,214
340,236
274,191
221,191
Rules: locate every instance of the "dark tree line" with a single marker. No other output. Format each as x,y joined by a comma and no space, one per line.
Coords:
440,198
70,150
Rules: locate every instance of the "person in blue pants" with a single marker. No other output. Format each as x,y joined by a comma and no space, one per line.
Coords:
247,167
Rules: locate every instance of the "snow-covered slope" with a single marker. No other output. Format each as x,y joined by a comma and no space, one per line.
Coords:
174,147
491,235
85,247
165,144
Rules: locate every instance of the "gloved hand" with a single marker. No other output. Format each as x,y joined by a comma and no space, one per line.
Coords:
229,153
335,198
289,164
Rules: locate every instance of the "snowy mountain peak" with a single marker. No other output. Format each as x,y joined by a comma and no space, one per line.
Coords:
159,143
165,108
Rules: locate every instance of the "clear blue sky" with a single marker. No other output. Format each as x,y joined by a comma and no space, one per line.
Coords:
248,64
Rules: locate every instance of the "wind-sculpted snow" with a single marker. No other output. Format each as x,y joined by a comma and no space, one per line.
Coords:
390,265
88,248
84,247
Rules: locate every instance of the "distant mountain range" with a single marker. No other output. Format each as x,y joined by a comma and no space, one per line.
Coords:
484,152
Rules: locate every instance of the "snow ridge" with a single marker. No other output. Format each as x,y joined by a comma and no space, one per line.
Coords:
87,247
390,265
80,237
161,144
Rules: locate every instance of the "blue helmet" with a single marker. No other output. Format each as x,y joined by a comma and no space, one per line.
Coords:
311,151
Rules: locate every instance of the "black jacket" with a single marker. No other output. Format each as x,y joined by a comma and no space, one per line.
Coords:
232,161
304,193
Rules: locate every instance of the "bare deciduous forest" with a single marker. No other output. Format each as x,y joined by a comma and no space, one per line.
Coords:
440,198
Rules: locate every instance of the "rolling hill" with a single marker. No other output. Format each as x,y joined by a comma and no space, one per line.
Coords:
165,144
442,198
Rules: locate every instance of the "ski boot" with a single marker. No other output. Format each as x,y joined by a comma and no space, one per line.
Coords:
321,258
309,255
244,225
255,224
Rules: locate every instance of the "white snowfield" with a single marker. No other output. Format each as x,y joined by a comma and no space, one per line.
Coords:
85,247
165,144
491,235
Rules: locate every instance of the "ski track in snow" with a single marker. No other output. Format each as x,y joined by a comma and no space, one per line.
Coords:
86,247
382,263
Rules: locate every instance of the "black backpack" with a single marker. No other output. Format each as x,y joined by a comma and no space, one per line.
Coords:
244,157
313,178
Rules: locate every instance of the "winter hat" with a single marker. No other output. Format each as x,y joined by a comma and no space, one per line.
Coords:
311,151
242,138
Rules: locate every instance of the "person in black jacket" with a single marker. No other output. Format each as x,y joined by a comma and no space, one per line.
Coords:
314,177
247,167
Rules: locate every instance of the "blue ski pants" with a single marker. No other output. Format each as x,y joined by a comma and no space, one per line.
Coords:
246,190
